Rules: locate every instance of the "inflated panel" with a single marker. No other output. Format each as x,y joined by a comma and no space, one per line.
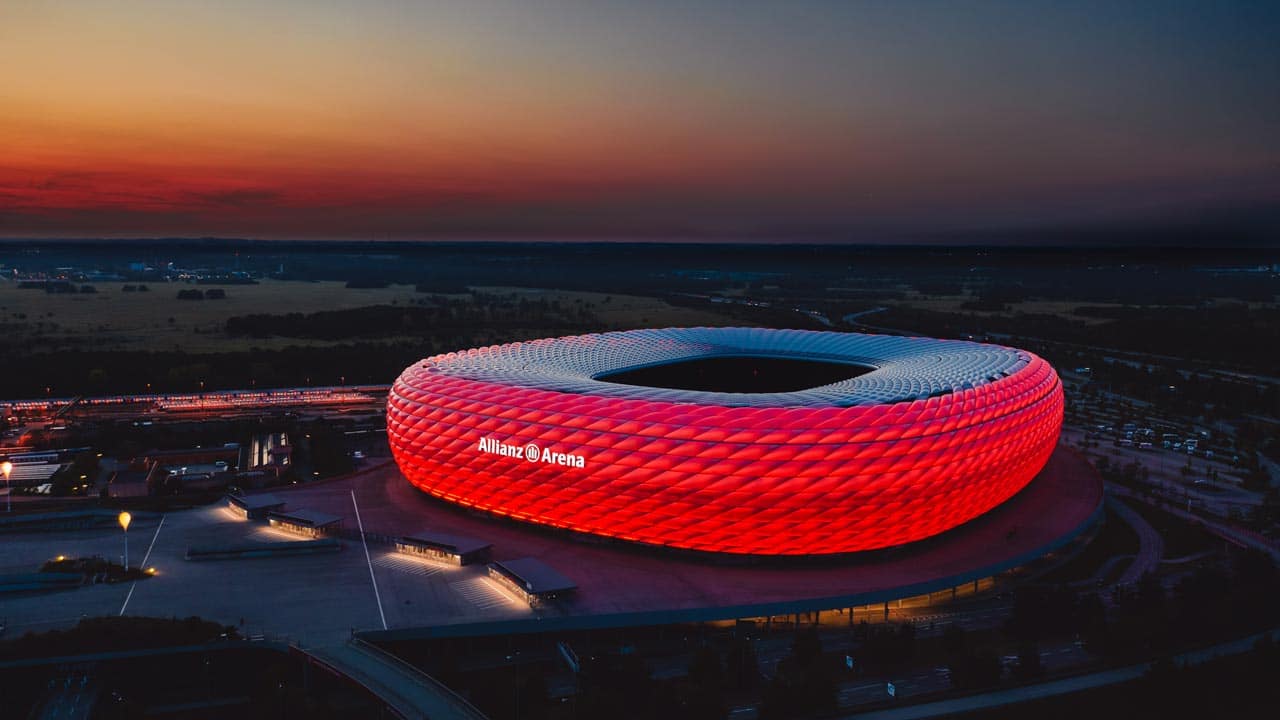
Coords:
939,433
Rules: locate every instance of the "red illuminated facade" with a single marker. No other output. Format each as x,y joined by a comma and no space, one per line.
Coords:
938,433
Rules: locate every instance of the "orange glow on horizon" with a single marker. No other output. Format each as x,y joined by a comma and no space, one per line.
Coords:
339,118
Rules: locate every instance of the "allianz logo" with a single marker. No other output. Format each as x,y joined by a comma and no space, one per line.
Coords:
530,452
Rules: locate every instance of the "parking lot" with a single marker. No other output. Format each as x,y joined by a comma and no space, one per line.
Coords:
321,598
315,599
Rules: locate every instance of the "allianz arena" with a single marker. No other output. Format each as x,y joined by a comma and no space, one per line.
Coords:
730,440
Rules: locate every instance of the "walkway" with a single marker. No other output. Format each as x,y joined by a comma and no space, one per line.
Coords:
410,692
1150,544
1104,571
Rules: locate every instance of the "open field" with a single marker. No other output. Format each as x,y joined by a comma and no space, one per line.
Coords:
111,319
1058,308
618,312
954,303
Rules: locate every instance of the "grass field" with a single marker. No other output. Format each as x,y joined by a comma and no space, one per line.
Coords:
156,320
621,311
954,303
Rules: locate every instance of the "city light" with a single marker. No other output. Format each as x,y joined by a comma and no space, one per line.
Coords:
124,519
7,467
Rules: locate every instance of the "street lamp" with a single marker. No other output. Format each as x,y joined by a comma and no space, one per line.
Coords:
7,467
124,519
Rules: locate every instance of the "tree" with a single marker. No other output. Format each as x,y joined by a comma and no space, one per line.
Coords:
743,668
887,647
805,683
702,695
1029,666
705,668
1040,612
953,639
975,669
615,686
807,647
83,470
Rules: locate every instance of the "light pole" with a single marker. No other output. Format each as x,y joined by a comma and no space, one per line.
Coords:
124,519
7,467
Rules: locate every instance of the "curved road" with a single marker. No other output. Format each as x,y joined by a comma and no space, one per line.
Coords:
1103,571
1150,544
1231,533
412,693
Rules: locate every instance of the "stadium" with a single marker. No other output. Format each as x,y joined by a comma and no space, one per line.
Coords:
744,441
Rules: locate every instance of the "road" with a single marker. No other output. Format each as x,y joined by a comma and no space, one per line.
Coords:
922,681
1273,468
409,691
938,679
929,621
980,615
1104,571
1150,544
1051,688
1231,533
72,697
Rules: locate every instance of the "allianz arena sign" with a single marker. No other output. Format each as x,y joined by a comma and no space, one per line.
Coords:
530,452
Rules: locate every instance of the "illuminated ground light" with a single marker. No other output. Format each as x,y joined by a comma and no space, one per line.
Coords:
730,440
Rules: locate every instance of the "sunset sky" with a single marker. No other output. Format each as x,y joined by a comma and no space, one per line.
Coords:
783,119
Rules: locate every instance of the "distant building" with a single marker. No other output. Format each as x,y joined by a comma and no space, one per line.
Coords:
531,580
183,470
268,449
255,507
442,547
305,522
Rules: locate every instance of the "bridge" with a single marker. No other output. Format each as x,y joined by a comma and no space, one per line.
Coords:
406,690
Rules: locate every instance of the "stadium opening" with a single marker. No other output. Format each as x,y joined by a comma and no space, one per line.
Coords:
752,374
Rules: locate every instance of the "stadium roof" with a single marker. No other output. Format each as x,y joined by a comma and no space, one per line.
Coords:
904,368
